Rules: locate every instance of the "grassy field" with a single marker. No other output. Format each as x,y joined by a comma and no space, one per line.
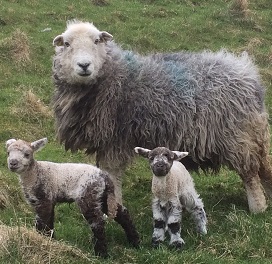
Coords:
28,28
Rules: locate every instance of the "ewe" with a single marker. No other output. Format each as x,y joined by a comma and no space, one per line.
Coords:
173,188
109,100
46,183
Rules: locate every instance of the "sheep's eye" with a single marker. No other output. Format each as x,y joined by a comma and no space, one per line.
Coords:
8,153
27,155
66,44
96,41
151,158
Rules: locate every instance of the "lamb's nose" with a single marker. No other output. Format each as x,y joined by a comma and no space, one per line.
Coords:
13,162
160,164
84,66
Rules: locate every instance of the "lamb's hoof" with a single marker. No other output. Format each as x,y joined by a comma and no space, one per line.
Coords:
177,245
101,254
155,243
135,243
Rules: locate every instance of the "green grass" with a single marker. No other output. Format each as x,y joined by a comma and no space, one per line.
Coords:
234,235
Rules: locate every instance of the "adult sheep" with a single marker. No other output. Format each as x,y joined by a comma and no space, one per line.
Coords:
109,100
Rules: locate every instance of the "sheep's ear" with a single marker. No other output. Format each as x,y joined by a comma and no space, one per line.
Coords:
105,36
142,151
179,155
39,144
58,41
9,142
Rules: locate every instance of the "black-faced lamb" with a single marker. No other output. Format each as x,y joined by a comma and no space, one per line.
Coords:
173,189
109,100
46,183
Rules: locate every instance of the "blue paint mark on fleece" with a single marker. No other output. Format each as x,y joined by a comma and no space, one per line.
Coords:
179,77
131,60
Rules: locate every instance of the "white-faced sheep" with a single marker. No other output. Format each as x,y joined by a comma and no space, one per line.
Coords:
46,183
109,100
173,188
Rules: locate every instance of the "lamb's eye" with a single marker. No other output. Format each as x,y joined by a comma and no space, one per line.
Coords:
96,41
166,155
151,158
67,44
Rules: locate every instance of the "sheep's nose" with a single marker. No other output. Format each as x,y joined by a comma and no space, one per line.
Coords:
84,66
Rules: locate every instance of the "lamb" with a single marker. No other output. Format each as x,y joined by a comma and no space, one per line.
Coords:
46,183
173,188
108,101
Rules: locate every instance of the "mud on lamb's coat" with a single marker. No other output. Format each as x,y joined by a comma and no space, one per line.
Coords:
173,188
46,183
109,100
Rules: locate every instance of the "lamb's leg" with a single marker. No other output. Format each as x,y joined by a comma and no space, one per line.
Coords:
159,219
123,218
173,224
45,218
194,205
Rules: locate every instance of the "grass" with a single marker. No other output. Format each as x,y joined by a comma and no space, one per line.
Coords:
27,30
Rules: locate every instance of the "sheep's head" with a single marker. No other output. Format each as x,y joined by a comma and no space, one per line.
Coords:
160,159
80,52
20,153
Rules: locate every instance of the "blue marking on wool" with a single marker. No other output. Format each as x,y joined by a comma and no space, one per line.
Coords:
131,59
179,77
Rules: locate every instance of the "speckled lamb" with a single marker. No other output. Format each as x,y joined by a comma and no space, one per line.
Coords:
173,188
109,100
46,183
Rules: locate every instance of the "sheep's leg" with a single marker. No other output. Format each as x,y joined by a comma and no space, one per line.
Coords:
45,218
265,174
173,224
194,205
91,208
255,195
123,218
159,219
116,177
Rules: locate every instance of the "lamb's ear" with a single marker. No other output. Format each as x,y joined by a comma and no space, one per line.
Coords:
58,41
179,155
39,144
105,36
9,142
142,151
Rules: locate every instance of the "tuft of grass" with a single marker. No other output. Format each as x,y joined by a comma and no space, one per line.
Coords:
35,248
100,2
32,106
240,8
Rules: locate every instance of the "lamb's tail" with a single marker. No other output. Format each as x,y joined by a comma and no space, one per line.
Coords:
111,199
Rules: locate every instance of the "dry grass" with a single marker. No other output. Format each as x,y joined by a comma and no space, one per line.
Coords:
32,106
240,7
35,248
20,49
16,47
100,2
4,198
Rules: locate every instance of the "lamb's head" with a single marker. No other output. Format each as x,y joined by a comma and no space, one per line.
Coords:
160,159
80,52
21,153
